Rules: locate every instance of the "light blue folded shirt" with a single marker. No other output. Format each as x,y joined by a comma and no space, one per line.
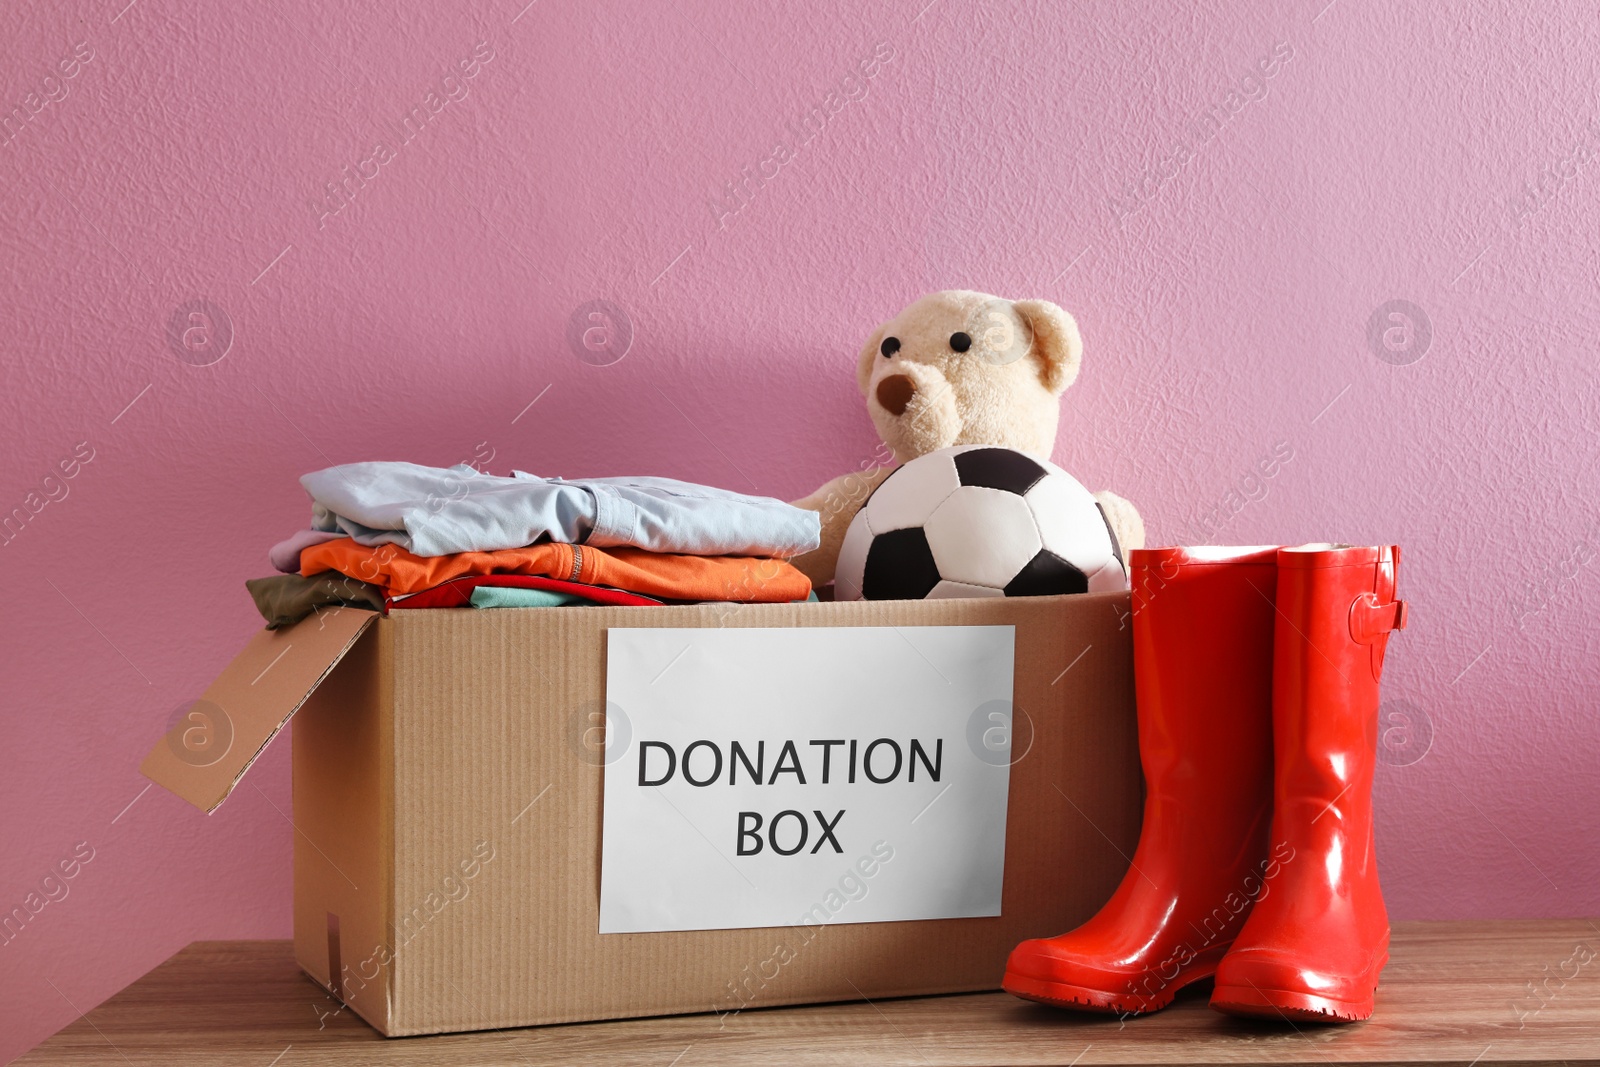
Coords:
435,511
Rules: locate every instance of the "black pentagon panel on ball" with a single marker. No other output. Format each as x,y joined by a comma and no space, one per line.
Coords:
999,468
899,566
1047,574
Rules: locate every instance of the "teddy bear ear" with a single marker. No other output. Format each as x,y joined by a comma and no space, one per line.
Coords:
869,353
1056,342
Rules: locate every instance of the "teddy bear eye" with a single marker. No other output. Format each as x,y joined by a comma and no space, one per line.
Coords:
960,342
890,346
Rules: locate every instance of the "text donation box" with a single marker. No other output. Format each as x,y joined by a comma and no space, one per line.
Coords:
768,777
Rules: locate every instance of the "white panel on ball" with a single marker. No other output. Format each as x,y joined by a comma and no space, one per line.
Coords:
948,590
910,495
1109,579
982,536
1069,522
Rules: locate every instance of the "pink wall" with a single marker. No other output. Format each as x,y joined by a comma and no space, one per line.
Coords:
1440,154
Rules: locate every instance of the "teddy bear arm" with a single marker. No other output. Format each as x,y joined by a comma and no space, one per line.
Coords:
837,502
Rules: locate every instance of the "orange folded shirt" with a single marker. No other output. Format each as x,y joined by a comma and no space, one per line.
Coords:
658,574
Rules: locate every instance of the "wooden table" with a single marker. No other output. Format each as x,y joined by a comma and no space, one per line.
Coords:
1463,993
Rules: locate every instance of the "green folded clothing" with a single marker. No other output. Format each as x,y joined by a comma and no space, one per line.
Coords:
496,596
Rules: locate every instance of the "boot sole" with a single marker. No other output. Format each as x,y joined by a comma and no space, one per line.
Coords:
1252,1002
1082,998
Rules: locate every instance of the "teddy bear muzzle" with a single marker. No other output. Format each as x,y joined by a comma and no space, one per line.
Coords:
895,393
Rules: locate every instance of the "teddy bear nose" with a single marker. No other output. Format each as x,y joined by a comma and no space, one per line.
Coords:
895,392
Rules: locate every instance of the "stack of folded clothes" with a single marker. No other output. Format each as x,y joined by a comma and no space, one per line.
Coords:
400,535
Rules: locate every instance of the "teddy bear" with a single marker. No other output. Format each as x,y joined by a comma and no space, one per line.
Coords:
955,368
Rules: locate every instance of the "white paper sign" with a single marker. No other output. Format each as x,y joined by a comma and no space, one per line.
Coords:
773,777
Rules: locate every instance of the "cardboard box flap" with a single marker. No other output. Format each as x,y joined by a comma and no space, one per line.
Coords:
219,736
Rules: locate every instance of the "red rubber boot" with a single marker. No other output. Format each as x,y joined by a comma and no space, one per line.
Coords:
1319,935
1202,661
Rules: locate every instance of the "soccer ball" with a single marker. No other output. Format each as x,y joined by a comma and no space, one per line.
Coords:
976,520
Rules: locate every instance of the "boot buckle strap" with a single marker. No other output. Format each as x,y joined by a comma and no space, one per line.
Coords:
1371,619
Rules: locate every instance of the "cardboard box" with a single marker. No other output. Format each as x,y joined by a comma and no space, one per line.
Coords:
448,813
